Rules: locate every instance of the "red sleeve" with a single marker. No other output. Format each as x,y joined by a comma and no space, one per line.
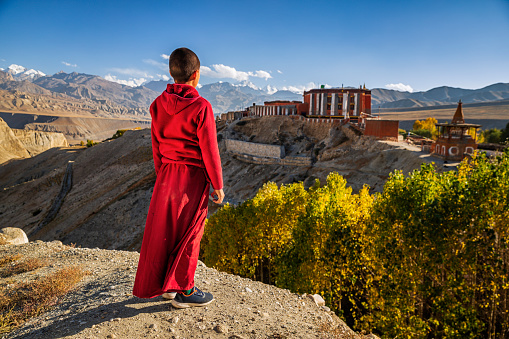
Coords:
207,139
155,144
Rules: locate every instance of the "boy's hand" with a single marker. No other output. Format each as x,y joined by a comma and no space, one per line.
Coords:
217,196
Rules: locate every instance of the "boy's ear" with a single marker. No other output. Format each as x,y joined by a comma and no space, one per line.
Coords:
194,75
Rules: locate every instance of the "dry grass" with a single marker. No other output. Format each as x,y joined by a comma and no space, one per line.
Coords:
19,267
9,259
27,300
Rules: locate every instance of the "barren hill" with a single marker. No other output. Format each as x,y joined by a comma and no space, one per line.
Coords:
112,182
86,86
487,114
17,143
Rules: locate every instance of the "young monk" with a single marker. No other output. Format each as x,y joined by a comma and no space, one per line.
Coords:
186,158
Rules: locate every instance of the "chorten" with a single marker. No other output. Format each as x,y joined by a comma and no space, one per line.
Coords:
457,138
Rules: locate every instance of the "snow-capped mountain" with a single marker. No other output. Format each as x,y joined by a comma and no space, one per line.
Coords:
20,73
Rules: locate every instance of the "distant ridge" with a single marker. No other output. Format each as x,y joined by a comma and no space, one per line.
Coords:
444,95
225,96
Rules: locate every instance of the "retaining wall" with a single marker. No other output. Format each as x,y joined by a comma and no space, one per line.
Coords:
258,150
264,154
288,161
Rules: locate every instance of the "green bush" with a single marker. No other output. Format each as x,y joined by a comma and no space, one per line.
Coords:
243,240
442,240
492,136
91,143
329,253
426,258
118,134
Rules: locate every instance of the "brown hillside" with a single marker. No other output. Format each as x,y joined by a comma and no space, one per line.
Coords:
112,182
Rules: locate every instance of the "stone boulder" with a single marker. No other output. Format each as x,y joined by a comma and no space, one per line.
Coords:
13,236
317,299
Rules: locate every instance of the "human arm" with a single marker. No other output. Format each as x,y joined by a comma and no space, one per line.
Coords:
155,143
207,139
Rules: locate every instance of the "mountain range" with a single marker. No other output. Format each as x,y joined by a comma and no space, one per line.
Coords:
438,96
223,96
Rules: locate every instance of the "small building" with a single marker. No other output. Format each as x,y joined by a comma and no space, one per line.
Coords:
233,115
382,129
279,107
455,139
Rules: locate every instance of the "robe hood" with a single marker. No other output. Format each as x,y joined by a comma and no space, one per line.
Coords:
178,97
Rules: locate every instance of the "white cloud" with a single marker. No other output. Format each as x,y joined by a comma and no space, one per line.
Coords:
15,69
165,56
247,84
133,82
279,71
199,86
301,88
223,71
1,69
164,77
261,74
69,64
400,87
161,65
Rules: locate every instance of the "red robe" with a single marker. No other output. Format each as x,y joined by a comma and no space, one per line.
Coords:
186,158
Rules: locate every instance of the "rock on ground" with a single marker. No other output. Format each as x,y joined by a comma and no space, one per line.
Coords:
13,235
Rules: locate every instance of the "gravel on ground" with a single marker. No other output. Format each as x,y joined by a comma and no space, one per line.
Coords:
102,305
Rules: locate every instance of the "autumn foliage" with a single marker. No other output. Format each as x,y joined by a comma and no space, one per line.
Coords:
426,258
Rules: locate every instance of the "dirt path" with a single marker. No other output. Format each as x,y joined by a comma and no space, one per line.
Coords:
59,199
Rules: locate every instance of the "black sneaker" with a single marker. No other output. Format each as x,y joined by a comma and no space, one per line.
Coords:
196,298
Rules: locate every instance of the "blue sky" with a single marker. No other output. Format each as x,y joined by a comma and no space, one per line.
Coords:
408,44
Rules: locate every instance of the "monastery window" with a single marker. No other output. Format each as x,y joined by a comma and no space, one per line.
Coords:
329,99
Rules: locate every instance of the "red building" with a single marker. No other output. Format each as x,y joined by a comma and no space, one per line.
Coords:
455,139
345,102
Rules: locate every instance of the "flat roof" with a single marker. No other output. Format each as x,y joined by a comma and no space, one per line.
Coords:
338,90
457,125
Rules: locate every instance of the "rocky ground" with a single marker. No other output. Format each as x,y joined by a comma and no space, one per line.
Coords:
102,306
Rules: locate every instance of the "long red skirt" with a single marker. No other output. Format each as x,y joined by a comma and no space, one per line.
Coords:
174,228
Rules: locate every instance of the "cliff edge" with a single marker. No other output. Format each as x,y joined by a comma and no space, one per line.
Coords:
102,306
20,144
